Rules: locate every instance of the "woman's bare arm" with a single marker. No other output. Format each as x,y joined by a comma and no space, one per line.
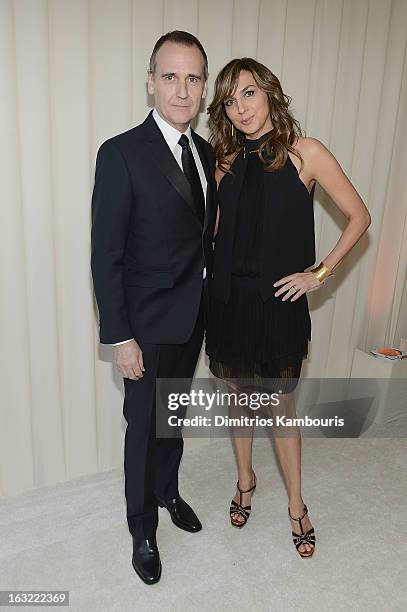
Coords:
324,168
321,166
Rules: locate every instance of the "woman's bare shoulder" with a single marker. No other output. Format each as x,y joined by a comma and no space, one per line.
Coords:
308,146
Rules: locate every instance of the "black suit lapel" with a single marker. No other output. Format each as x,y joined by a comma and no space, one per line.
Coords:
163,158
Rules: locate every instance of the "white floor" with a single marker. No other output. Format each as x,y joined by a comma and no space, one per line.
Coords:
74,536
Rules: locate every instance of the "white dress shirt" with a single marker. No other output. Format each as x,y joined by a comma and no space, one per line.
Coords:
172,136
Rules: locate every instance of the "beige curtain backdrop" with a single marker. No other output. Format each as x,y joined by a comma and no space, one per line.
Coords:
72,73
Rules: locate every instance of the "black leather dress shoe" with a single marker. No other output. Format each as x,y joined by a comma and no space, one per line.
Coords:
181,514
146,560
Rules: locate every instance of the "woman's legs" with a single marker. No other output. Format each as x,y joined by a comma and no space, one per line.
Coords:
242,439
288,447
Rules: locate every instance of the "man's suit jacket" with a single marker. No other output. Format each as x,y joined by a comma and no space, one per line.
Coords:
149,248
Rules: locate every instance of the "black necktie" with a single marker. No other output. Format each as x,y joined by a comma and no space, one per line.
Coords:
191,172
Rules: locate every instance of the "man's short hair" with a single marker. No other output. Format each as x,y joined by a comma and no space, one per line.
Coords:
181,38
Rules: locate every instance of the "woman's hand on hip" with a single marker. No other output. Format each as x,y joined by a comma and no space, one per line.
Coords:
295,285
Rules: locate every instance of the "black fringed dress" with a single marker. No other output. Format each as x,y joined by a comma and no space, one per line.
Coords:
250,337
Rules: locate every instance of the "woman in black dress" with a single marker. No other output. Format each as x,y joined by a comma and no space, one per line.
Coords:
259,323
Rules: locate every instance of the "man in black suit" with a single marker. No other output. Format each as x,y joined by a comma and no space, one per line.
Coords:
153,216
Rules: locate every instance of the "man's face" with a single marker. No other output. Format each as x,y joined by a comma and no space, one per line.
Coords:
178,84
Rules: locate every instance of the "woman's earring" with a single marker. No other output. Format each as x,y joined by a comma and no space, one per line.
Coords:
233,131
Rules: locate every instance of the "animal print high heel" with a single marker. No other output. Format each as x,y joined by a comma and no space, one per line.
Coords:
303,538
237,508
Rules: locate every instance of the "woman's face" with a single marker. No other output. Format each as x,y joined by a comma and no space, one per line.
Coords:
248,108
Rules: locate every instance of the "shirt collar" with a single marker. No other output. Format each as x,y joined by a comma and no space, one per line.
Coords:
171,134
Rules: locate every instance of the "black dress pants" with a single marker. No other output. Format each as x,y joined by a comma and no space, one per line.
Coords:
150,463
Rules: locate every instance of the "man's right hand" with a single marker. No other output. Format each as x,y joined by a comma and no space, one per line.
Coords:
129,360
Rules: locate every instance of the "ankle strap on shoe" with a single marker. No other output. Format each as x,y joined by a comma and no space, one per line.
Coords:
247,491
301,517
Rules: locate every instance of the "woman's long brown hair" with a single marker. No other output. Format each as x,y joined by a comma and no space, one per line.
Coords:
285,128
